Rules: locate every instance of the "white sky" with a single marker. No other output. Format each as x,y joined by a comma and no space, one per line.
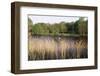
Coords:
51,19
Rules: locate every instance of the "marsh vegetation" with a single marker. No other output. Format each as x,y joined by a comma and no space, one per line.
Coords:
63,40
47,47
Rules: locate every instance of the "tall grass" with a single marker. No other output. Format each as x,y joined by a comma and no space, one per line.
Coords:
50,48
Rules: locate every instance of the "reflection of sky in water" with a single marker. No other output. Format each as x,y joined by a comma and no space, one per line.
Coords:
53,19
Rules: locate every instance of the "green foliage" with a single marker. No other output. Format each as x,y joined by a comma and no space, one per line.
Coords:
71,27
54,29
82,26
30,23
62,28
76,27
40,28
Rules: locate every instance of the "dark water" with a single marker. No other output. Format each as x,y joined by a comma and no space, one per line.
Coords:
67,47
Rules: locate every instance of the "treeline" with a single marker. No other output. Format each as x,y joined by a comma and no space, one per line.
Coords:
63,28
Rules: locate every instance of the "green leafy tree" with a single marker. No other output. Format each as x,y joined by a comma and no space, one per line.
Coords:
82,26
63,27
40,28
76,27
54,29
71,28
30,23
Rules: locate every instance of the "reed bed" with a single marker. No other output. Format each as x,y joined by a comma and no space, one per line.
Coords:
51,48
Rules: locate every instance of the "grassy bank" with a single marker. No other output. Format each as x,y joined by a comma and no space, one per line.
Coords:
63,34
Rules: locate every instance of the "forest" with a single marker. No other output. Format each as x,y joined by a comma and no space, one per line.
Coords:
78,27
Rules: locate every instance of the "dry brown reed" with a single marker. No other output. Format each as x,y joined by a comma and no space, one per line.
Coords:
42,49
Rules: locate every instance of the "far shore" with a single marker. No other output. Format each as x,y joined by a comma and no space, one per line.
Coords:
72,35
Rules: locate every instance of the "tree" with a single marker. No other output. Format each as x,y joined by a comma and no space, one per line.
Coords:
40,28
71,27
54,29
63,27
76,27
82,26
30,23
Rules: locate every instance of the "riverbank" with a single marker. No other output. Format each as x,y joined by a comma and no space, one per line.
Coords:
70,35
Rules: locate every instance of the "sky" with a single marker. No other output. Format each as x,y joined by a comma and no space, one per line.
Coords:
51,19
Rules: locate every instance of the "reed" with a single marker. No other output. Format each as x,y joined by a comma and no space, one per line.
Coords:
46,49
